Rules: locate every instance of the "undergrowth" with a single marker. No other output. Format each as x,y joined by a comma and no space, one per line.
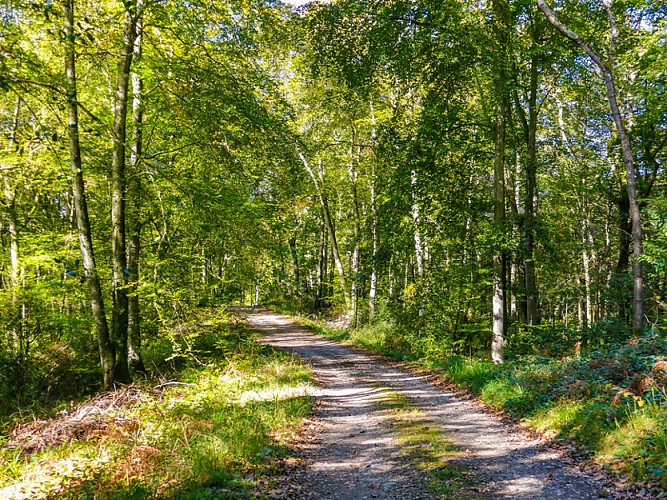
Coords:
223,409
609,404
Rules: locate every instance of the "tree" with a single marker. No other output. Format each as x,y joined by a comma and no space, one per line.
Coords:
501,82
134,195
607,70
106,348
118,193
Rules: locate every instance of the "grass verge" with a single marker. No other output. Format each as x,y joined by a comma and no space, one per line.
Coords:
225,408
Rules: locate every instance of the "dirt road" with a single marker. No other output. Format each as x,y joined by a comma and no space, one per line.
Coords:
357,455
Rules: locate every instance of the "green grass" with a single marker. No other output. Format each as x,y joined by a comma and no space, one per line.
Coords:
378,337
611,404
232,411
580,400
425,446
639,441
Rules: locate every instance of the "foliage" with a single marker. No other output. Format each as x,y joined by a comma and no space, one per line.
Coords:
334,160
228,409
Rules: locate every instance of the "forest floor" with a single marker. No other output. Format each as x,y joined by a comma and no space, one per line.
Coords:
382,431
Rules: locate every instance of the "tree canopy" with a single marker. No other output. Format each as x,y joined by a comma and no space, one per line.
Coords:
488,178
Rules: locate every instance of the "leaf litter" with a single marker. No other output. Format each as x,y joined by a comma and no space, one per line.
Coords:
84,421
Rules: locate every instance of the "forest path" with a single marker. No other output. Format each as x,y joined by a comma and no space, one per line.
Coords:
356,454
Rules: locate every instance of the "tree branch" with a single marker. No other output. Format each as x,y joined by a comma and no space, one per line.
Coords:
59,91
572,36
23,81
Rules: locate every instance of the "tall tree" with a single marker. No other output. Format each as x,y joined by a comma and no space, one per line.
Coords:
118,192
607,70
501,83
134,196
106,347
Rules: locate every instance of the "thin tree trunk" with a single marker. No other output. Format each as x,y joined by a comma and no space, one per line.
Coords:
624,232
204,269
392,280
321,266
16,333
372,293
499,308
587,278
607,74
512,280
10,201
330,228
12,229
295,263
106,348
580,309
118,186
134,216
514,292
419,245
354,176
532,309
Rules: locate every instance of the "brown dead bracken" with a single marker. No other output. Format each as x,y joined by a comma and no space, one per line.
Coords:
85,421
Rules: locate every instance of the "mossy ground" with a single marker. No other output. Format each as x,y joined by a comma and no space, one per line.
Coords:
426,447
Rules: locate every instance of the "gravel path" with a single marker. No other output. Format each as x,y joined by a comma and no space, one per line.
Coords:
355,454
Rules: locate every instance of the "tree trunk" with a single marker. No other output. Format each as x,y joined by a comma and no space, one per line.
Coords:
354,176
528,244
372,293
16,333
587,278
295,263
419,245
607,74
326,215
12,229
499,307
624,232
106,348
321,267
118,186
134,217
10,202
512,280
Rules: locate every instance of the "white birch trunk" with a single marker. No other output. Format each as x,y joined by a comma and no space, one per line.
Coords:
419,245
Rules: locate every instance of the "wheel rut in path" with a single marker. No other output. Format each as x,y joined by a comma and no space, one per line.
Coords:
356,454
